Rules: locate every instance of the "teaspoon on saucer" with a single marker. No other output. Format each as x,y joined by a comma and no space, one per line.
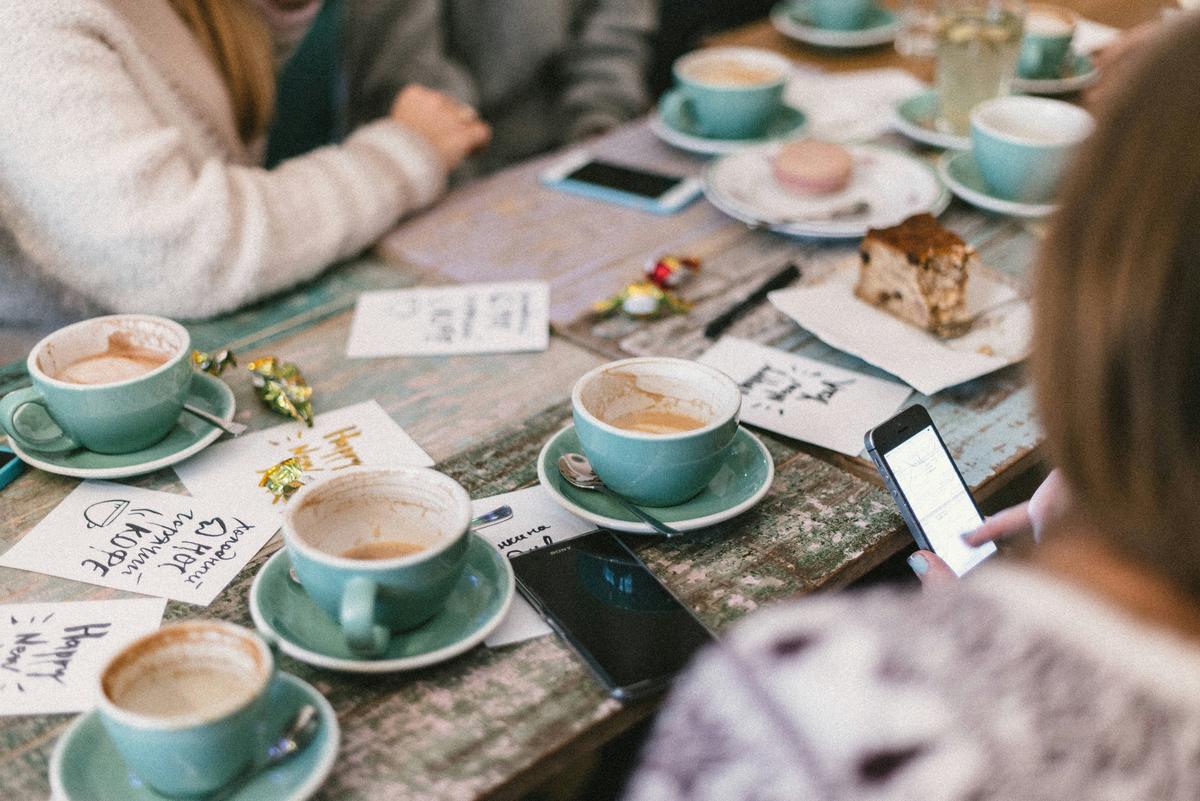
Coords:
299,733
578,472
228,426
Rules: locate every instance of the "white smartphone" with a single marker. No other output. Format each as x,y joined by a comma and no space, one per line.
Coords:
581,174
927,486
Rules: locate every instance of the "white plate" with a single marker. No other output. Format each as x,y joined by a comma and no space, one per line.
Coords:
961,174
895,185
784,19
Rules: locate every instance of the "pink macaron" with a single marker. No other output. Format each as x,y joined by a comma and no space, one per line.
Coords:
813,167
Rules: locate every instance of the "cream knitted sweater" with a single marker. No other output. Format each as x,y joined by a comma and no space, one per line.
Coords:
124,185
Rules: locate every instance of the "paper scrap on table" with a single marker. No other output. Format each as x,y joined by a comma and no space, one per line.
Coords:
536,522
156,543
803,398
447,320
1091,36
362,434
51,654
850,106
998,338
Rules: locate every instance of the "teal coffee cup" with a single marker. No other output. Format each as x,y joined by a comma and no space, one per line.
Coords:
656,430
113,384
379,549
840,15
731,92
186,705
1046,42
1022,145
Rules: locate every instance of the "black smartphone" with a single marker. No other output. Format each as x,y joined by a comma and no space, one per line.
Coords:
928,487
600,597
652,191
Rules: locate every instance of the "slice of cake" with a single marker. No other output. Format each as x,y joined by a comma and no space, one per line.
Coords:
918,271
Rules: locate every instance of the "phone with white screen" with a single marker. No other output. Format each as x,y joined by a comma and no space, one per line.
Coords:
639,188
927,486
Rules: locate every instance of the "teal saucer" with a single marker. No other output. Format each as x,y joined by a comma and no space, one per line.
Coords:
284,613
793,19
916,117
742,482
961,174
86,766
674,123
1080,72
190,436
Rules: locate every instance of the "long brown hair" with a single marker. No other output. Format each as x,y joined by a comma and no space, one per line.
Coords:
1117,315
236,38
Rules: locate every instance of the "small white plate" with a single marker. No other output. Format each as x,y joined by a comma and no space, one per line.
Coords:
894,184
961,174
791,20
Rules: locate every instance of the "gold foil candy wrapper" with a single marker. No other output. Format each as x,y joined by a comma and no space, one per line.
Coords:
213,363
282,388
283,479
642,299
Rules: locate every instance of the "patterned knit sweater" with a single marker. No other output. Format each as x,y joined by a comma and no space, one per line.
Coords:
124,185
1012,687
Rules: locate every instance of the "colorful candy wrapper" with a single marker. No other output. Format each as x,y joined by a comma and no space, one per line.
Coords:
282,388
213,363
282,479
642,299
669,272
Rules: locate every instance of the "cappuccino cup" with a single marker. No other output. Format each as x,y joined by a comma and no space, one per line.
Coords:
114,384
731,92
1023,144
184,705
840,15
655,429
1047,41
379,549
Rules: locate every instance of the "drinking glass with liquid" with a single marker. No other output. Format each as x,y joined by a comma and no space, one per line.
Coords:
977,43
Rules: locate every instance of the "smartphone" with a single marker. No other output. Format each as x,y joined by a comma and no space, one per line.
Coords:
10,466
599,596
927,486
629,186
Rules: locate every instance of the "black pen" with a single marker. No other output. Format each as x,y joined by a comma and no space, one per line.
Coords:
778,281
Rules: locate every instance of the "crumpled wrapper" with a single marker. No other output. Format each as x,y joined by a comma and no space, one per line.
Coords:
283,479
669,272
642,299
213,363
282,388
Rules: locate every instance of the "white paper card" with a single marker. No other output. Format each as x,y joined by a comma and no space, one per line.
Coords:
433,321
156,543
51,654
803,398
535,523
362,434
998,338
851,106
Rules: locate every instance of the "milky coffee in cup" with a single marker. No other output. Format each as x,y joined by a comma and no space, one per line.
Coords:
122,360
656,421
729,71
730,92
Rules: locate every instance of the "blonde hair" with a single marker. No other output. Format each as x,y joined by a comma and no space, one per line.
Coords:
236,38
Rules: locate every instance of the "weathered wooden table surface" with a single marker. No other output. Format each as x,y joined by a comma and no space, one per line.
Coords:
495,723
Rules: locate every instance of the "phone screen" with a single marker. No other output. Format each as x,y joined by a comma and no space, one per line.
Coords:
624,623
938,498
635,182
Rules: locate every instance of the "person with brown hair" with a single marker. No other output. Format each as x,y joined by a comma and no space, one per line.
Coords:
1074,674
129,165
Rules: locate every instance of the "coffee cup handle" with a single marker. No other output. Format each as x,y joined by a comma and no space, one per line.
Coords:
12,403
358,618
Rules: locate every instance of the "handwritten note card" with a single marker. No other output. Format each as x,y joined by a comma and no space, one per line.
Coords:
447,320
362,434
535,523
803,398
51,654
156,543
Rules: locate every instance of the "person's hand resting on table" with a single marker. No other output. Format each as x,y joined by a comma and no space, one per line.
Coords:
452,127
1048,503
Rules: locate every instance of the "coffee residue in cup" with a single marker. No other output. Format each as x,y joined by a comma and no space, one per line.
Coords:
731,72
121,361
382,549
654,421
215,689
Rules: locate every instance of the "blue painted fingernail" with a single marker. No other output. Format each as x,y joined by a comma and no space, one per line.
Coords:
919,564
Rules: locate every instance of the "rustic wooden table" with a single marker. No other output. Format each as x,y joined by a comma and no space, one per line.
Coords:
495,723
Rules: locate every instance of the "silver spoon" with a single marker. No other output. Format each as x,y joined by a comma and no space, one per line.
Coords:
578,472
849,211
228,426
299,733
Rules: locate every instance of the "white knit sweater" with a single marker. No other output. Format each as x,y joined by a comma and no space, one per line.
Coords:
124,185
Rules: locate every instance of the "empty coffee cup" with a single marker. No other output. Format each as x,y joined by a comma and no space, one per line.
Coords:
379,549
114,384
731,92
655,429
184,704
1023,144
1047,41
